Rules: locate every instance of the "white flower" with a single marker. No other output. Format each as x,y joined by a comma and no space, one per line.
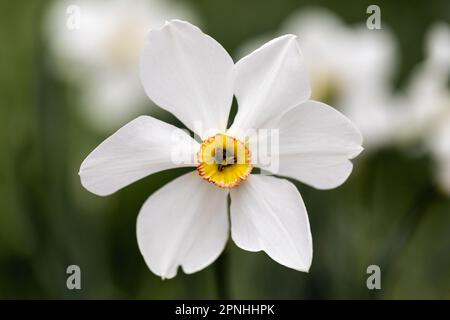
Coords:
427,108
350,67
185,223
102,55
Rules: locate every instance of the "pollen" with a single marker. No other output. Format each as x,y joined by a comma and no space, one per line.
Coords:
224,161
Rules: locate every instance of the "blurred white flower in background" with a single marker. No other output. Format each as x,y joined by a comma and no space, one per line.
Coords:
427,109
102,56
351,67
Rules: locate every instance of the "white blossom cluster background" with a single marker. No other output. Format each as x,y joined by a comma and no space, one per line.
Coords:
76,71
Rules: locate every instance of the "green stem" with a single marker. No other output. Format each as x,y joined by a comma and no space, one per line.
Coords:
221,273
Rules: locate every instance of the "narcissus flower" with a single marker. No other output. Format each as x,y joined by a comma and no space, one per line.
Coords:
96,45
426,110
186,222
350,67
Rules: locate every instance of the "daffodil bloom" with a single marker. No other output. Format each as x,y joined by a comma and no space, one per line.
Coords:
100,55
350,67
426,110
187,222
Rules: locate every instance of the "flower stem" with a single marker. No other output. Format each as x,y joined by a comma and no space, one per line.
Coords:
221,274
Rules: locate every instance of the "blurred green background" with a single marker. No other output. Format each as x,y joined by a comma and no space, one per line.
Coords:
388,213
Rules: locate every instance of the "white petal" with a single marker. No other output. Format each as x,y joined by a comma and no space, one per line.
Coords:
141,147
269,82
315,145
185,223
268,214
439,138
340,56
189,74
111,99
438,45
379,116
443,175
320,33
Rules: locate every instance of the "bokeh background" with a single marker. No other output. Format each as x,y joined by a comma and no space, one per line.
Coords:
64,91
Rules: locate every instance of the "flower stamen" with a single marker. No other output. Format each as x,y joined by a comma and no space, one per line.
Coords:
224,161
